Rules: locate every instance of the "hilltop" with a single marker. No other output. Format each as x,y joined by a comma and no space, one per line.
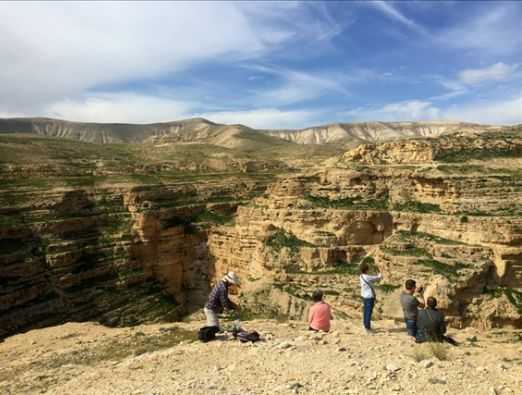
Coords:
199,130
160,359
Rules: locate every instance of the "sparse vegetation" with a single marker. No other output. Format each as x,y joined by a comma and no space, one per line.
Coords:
387,288
407,235
464,155
349,203
418,207
430,350
118,349
283,239
409,250
513,295
444,269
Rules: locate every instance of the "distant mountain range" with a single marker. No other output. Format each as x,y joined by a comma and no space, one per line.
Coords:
199,130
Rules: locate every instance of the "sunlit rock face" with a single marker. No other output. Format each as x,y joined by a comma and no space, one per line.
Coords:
127,241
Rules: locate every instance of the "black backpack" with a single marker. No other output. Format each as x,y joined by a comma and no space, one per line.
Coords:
207,333
251,336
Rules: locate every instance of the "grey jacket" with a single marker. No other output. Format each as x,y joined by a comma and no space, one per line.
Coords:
430,325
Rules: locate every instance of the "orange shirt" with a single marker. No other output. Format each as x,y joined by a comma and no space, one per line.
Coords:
319,316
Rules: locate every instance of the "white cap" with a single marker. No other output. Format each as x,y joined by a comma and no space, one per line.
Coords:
232,278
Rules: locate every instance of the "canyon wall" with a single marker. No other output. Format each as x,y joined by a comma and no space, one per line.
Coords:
117,255
455,227
80,239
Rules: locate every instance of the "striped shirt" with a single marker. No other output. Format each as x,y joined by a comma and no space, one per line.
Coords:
218,298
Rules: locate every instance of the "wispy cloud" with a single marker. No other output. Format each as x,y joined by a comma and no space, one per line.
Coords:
141,108
296,86
120,107
408,110
496,30
469,80
508,111
64,49
267,118
496,72
393,13
328,26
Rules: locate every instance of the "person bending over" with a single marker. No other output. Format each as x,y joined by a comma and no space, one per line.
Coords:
320,313
218,299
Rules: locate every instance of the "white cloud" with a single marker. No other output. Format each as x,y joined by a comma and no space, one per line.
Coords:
409,110
119,107
392,12
495,31
64,49
496,72
297,86
266,118
136,108
507,111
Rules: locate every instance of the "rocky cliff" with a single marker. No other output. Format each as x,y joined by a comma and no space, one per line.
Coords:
127,234
450,218
369,132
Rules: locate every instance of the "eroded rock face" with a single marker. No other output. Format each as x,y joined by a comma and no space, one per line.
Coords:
117,255
455,228
126,254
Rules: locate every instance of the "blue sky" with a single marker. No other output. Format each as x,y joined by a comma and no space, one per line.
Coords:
263,64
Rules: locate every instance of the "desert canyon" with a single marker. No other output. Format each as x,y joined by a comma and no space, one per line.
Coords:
111,236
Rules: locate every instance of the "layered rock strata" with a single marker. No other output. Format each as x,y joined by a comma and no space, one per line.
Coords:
455,227
117,255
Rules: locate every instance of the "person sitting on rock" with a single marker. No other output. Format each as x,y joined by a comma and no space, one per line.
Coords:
368,295
218,299
410,305
430,323
320,313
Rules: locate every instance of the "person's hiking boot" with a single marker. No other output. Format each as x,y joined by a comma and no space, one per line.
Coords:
368,331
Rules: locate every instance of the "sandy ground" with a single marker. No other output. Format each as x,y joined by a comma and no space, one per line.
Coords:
87,358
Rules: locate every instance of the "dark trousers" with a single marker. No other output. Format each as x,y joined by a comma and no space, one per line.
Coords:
411,327
368,304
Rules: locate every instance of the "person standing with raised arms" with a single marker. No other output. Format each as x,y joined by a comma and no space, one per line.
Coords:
368,295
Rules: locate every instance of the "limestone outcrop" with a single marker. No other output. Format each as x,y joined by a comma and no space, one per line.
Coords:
455,227
128,234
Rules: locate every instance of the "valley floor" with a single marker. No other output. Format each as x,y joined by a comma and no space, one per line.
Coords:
87,358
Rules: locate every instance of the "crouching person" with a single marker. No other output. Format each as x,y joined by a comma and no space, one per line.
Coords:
430,323
320,313
218,299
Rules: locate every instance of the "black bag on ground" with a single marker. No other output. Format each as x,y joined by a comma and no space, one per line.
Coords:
251,336
207,333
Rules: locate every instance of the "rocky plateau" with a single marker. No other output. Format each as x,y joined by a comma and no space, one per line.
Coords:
137,229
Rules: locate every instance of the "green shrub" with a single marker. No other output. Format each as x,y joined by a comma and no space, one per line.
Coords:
283,239
349,203
407,235
513,295
430,350
448,271
408,251
418,207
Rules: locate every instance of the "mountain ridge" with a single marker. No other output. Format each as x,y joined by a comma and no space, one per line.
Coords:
201,130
